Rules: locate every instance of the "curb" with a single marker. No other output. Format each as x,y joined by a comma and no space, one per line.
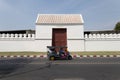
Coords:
93,56
24,56
45,56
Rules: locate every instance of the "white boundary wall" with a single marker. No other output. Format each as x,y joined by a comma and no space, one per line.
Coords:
16,42
102,42
92,42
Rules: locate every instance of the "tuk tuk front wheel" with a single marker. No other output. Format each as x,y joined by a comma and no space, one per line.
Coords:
69,57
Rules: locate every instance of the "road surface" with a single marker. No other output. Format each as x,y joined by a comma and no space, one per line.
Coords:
76,69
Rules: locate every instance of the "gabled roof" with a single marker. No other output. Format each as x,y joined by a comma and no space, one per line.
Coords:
59,19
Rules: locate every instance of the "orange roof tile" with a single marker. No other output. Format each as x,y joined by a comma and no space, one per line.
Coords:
59,19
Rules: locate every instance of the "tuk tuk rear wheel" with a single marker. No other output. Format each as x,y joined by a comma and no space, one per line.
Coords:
52,58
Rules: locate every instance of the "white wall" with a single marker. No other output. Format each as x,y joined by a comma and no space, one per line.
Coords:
16,45
102,42
73,31
73,45
41,45
92,42
43,32
74,36
16,42
102,45
76,45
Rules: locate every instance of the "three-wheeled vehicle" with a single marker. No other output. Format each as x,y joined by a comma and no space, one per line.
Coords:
58,53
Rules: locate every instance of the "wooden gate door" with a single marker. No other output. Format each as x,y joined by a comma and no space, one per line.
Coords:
59,37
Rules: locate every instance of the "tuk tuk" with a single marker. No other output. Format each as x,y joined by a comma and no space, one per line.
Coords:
58,53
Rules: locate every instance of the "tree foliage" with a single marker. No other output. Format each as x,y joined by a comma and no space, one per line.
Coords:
117,26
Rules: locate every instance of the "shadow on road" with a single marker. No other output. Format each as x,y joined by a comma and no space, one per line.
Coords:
11,65
8,66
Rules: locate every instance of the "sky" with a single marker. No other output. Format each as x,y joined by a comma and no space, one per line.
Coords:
22,14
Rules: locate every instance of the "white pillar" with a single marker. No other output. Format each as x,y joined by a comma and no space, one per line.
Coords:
102,36
98,36
106,36
86,36
16,35
114,35
20,35
33,35
24,35
94,35
7,35
110,35
12,35
118,35
29,35
90,36
3,35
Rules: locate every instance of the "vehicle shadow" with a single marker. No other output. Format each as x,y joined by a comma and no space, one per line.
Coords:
8,66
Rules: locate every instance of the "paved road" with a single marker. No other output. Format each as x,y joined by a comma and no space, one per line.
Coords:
77,69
